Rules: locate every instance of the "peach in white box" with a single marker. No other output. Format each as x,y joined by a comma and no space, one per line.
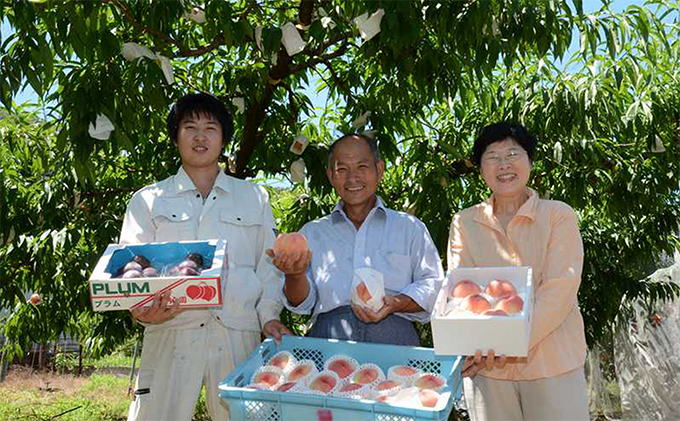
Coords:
503,326
127,276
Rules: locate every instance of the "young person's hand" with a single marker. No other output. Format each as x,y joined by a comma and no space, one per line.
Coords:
163,308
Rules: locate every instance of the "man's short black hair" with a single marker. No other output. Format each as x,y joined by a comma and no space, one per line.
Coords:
194,105
498,132
372,145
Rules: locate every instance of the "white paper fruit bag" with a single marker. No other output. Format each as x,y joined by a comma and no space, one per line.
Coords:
368,289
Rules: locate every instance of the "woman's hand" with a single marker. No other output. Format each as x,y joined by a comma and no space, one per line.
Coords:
474,364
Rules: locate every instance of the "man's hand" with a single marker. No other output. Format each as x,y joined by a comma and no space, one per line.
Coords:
474,364
366,315
291,263
275,329
163,308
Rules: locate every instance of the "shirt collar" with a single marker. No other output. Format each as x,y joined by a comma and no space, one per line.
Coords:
485,212
338,214
183,182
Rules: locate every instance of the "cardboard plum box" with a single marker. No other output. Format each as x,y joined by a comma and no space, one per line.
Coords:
108,291
463,333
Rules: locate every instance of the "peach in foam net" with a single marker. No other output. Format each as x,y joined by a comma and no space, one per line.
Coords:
430,381
324,382
286,386
283,360
303,369
342,365
429,398
367,374
269,376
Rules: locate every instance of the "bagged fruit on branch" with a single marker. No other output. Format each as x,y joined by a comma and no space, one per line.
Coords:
368,289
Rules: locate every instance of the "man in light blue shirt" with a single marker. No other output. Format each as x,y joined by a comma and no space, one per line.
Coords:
362,232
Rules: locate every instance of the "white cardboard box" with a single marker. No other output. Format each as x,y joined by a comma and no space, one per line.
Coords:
465,333
108,292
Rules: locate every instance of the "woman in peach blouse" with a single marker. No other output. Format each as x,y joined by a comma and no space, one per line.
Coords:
516,228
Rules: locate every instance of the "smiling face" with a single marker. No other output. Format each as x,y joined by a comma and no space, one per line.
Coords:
354,173
506,168
199,141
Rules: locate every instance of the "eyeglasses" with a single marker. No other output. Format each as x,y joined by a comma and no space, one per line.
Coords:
511,156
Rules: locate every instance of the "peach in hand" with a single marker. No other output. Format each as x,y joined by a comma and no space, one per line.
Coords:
510,305
475,303
293,243
464,288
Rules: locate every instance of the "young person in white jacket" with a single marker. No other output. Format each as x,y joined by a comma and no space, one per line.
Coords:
186,349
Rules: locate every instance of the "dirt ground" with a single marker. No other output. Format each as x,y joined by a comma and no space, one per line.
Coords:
20,377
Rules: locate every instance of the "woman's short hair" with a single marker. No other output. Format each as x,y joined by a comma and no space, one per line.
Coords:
498,132
194,105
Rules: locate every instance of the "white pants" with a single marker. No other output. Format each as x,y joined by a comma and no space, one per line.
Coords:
174,365
562,397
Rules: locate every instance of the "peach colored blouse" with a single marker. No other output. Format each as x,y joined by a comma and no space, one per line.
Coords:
544,235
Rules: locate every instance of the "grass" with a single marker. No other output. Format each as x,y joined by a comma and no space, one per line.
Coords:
27,395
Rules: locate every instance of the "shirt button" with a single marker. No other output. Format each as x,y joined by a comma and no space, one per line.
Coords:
198,195
214,197
202,324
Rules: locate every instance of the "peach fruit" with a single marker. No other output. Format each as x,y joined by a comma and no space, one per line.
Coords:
341,367
366,375
429,398
464,288
428,381
500,288
268,378
291,243
351,387
35,299
498,312
300,371
280,361
510,305
324,383
386,385
362,292
286,386
475,303
404,370
188,271
189,264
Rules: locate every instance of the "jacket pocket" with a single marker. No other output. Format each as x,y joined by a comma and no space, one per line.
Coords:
242,232
173,220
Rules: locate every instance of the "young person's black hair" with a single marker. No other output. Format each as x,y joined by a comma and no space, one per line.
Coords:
194,105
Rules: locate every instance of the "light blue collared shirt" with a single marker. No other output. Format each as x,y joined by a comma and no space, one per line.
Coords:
396,244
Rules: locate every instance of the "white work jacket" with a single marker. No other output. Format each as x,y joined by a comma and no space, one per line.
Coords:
235,210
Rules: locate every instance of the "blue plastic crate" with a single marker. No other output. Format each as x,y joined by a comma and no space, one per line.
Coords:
260,405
